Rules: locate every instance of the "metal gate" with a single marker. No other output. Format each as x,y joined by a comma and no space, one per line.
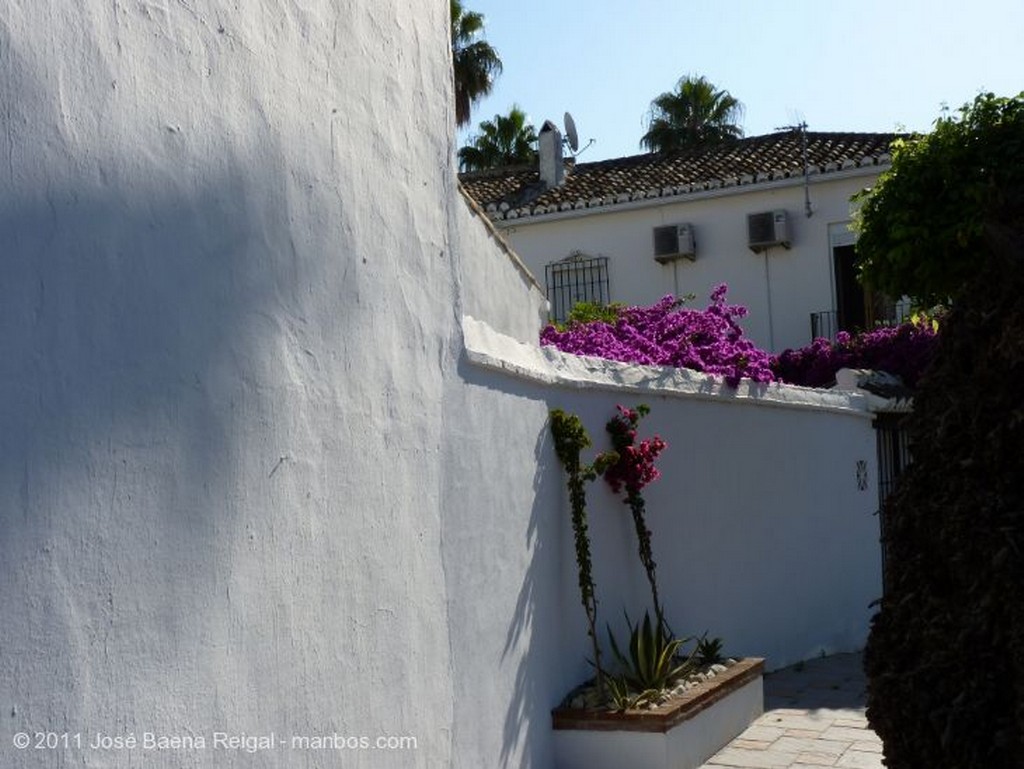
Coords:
893,444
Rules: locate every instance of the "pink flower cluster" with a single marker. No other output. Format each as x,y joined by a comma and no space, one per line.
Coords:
634,468
667,334
711,341
904,350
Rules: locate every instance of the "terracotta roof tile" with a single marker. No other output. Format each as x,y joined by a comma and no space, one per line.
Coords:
517,192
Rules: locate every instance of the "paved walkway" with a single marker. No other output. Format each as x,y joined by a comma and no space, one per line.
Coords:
813,719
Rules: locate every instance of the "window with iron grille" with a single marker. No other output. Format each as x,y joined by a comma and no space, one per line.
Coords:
577,278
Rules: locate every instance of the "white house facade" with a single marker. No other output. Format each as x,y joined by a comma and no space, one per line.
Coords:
752,215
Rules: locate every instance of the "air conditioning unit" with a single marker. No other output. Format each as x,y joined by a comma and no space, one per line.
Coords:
767,230
674,242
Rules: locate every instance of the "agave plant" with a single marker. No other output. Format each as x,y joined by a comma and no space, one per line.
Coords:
622,697
654,661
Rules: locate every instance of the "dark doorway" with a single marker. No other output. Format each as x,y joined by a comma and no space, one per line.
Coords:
851,313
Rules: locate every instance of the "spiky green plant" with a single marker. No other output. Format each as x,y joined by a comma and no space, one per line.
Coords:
654,661
709,651
622,697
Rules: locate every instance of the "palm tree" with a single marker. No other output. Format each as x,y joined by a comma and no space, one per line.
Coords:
694,115
474,63
508,140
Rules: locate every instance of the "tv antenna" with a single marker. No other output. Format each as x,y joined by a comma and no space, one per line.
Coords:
801,128
572,138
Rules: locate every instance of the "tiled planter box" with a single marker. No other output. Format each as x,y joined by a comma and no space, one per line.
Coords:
681,734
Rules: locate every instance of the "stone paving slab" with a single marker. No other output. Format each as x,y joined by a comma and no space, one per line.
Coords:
814,719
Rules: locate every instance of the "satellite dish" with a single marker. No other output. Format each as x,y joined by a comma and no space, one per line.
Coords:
570,132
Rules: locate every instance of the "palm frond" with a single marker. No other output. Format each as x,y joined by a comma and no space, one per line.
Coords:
507,140
695,114
475,64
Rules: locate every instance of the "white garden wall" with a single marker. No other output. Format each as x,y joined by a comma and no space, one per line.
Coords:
762,533
495,284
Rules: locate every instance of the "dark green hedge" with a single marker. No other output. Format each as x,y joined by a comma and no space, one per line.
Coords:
945,657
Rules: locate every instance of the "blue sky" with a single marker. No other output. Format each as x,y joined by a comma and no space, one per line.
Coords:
841,66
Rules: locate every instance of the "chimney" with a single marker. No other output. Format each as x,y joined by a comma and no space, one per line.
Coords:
549,148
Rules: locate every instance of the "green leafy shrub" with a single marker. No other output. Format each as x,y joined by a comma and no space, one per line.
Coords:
922,224
945,655
590,312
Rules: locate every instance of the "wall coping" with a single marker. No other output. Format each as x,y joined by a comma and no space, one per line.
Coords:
490,349
501,241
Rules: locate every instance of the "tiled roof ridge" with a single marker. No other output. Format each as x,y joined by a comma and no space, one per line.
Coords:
711,148
492,173
514,193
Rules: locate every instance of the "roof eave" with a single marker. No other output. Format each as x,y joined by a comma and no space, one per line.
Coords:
502,221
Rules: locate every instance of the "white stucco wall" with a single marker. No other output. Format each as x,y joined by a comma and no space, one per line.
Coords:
503,555
781,288
226,294
761,534
496,285
764,530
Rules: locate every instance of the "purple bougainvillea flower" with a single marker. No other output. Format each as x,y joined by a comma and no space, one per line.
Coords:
904,350
711,341
668,334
